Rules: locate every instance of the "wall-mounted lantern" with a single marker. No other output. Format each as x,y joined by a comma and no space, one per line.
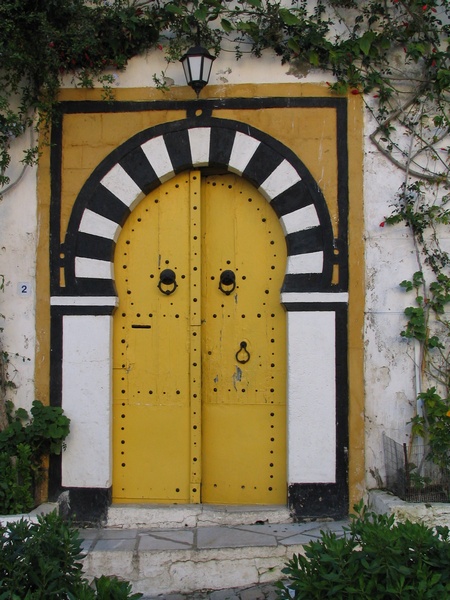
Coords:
197,63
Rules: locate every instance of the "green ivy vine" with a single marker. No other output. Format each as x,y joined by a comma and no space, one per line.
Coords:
43,41
427,320
395,54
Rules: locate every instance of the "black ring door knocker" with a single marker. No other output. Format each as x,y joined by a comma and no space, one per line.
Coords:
167,278
227,280
243,355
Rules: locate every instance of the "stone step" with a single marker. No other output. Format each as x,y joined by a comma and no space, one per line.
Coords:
193,515
170,560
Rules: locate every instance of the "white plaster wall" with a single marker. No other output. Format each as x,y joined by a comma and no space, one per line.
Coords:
389,361
391,375
18,239
225,70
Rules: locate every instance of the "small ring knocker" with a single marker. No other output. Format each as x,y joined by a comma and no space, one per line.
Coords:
244,353
227,278
167,277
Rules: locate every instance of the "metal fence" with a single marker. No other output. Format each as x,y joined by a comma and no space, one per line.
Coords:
411,476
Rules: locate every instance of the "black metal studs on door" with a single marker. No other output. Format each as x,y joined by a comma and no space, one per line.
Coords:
227,283
167,278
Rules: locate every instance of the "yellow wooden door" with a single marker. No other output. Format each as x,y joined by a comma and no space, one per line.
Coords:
199,362
243,398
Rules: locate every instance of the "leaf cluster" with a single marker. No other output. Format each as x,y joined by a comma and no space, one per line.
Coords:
424,218
40,561
44,40
105,588
434,426
23,444
428,324
84,38
44,432
16,481
376,559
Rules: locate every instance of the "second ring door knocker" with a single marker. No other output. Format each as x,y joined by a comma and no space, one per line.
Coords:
167,278
227,283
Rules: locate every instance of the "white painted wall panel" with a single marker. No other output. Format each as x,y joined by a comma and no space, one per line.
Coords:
314,297
303,218
96,224
86,400
280,180
305,263
93,268
311,397
199,139
157,155
119,183
244,147
84,301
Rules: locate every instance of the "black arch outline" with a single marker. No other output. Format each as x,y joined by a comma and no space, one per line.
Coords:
223,131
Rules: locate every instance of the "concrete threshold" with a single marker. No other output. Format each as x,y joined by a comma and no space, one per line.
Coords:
175,516
186,559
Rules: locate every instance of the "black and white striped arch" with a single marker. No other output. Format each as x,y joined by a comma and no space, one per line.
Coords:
155,155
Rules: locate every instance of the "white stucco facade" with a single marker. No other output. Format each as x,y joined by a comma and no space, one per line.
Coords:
390,373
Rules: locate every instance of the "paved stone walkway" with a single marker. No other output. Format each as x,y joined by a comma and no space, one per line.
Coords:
200,563
206,538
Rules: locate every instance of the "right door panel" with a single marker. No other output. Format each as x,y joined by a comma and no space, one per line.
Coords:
243,346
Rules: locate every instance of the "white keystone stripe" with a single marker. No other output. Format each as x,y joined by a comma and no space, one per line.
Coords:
119,183
157,155
244,147
280,180
92,268
301,219
84,301
96,224
199,139
305,263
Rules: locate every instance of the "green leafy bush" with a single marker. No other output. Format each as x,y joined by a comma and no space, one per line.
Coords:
23,444
106,588
376,559
40,561
16,481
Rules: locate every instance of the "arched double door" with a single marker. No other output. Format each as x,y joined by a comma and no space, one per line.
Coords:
200,347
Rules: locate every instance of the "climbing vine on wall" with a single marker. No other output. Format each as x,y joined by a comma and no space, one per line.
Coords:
395,54
426,211
43,41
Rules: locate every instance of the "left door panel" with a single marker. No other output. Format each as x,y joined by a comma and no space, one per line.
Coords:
151,351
